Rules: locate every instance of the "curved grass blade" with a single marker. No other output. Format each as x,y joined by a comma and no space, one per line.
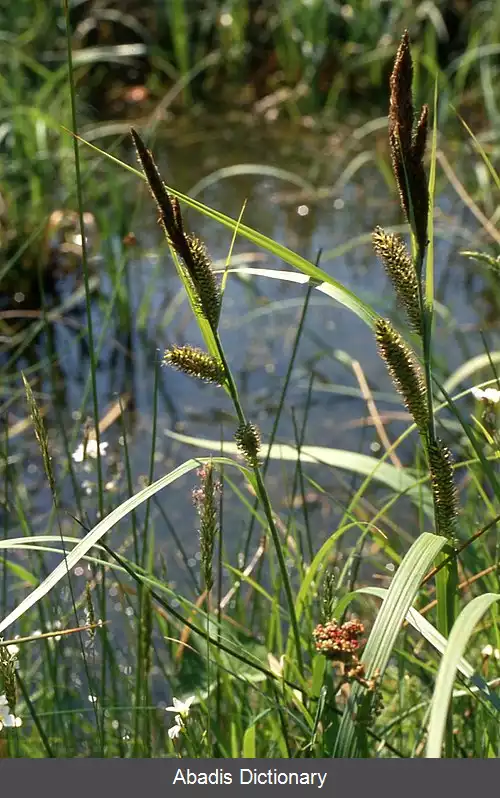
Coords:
337,290
95,534
477,144
421,625
289,277
470,367
395,478
457,643
378,650
257,169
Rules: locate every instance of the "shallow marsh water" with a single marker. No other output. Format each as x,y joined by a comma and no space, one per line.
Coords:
258,327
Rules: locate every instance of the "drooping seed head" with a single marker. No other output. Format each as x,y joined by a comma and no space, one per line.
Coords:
398,264
404,370
443,488
195,363
247,438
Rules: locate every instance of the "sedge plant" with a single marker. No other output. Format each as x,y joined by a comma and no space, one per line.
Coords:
330,693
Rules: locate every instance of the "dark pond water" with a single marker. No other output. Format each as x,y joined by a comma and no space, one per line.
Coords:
259,324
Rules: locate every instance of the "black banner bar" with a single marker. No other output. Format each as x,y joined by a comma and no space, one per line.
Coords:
345,778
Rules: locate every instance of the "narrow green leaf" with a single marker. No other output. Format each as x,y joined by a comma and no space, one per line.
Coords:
457,643
95,534
376,655
470,367
231,247
235,751
318,675
397,479
482,257
337,290
291,277
421,625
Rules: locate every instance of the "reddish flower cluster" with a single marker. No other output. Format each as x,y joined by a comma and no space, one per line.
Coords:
339,643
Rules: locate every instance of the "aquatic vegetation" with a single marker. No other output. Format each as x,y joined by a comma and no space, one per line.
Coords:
274,629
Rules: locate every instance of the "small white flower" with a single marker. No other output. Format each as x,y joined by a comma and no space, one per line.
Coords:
488,395
7,720
78,454
181,707
488,651
13,650
90,450
176,729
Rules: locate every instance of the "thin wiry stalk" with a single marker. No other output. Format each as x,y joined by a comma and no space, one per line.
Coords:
92,359
128,476
266,503
6,501
85,264
207,294
43,442
281,403
143,636
218,692
36,720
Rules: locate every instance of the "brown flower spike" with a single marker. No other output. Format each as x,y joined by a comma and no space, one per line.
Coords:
204,499
407,144
197,265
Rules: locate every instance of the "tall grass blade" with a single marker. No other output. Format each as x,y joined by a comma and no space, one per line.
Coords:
399,598
395,478
249,740
420,624
477,144
457,643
